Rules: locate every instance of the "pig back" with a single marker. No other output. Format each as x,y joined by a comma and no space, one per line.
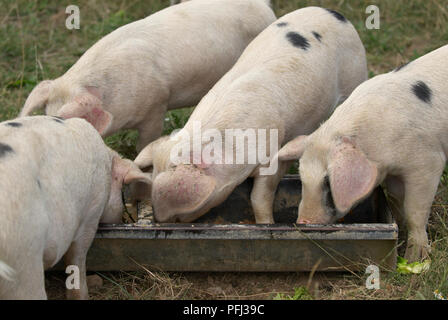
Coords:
290,77
51,167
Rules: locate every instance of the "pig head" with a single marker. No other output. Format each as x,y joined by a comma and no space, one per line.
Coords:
123,172
184,192
336,175
66,101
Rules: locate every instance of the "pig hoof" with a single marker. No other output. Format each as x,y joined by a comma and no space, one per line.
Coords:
94,281
265,221
76,295
417,253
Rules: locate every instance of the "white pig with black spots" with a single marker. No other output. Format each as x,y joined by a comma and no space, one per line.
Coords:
393,130
289,79
58,181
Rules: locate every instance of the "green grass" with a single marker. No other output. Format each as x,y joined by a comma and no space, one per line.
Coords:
300,293
35,45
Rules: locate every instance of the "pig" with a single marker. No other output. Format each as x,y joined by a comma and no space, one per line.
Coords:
393,130
173,2
59,180
171,59
288,80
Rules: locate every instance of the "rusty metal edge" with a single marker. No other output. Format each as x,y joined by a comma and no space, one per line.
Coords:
241,255
248,232
174,247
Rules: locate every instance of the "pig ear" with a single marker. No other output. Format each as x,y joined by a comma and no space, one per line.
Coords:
136,175
125,170
96,116
89,107
140,184
293,150
145,158
352,175
37,99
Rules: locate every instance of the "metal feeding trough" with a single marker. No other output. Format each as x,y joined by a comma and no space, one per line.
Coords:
226,239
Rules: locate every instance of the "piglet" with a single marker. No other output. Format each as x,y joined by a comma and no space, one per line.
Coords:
171,59
59,180
393,129
287,81
173,2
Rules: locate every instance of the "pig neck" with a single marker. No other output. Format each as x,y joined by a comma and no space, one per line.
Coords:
241,111
125,88
345,122
62,92
220,110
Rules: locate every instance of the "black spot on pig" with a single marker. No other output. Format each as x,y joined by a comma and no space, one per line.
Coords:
5,149
282,24
58,119
14,124
422,91
337,15
297,40
317,36
401,67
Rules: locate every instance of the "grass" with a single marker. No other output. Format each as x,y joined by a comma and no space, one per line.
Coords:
300,293
36,45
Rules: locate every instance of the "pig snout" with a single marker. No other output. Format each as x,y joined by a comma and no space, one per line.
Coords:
179,194
315,216
314,213
313,220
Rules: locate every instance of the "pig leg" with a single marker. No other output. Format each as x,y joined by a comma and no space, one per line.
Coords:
151,128
76,255
420,190
263,193
29,284
395,192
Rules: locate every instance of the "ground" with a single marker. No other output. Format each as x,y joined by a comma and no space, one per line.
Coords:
36,45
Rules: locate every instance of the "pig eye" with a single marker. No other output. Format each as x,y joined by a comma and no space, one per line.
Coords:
327,197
